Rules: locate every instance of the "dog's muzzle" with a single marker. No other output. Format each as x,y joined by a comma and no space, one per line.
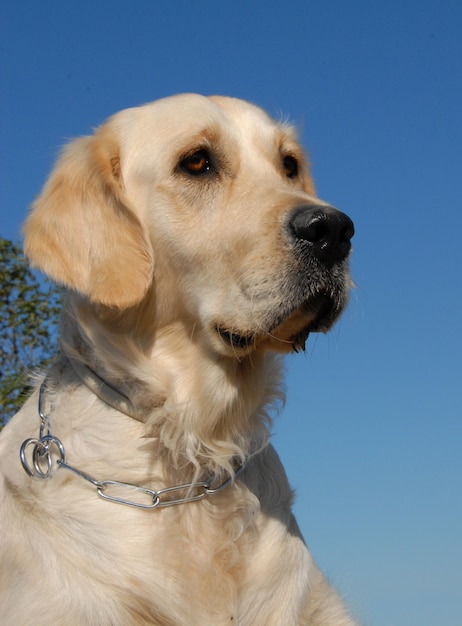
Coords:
315,294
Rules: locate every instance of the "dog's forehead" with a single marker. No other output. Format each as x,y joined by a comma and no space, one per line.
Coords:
177,119
243,113
252,121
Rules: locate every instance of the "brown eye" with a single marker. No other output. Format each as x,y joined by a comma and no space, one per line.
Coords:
290,166
197,163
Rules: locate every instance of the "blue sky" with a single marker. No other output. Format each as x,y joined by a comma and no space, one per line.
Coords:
371,434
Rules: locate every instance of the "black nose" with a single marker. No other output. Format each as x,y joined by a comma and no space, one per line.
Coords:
325,230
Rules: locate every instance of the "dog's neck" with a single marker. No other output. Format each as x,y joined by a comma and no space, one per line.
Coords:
190,399
105,391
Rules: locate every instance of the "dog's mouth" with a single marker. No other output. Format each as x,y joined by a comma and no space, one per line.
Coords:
234,339
289,330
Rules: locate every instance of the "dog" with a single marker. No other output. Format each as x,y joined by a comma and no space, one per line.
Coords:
139,485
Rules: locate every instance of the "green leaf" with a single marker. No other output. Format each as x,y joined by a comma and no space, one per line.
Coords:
30,308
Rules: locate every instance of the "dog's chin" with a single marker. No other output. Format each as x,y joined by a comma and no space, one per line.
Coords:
287,332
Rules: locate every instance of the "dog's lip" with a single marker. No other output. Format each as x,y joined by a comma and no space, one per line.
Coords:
293,327
324,309
235,340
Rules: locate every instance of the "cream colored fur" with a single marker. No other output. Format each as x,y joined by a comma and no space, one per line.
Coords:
159,266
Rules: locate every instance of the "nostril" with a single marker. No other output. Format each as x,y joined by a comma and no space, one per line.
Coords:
348,232
316,230
325,230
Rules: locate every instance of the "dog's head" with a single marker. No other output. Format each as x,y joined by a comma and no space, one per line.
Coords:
203,208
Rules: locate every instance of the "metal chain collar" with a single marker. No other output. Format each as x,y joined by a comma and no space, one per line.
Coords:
41,457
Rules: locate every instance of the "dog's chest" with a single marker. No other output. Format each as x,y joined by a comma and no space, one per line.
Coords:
161,562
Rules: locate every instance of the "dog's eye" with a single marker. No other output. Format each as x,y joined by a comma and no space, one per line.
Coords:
197,163
290,166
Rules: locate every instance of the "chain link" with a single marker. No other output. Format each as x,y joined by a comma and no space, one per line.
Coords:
41,457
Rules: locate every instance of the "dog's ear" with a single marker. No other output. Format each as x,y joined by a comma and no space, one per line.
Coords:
81,231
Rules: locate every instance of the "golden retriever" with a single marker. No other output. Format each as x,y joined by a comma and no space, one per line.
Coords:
141,487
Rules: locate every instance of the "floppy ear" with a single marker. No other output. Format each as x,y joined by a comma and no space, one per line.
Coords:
82,232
